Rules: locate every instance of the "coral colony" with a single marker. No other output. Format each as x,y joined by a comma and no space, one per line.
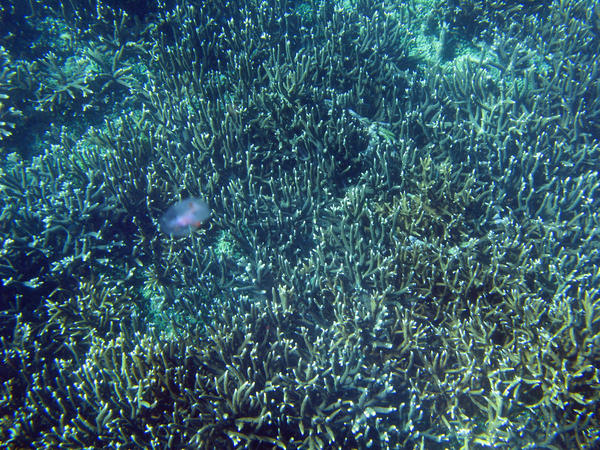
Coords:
404,234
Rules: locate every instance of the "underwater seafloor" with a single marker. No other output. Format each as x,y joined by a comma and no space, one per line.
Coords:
403,245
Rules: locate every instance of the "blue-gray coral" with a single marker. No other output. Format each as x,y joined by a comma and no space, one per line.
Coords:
416,233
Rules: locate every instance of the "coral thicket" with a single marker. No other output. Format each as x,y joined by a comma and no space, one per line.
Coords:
404,242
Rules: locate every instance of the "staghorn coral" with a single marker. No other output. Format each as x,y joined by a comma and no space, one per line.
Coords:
71,67
8,113
62,83
416,247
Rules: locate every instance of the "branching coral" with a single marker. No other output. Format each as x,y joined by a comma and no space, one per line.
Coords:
8,113
416,247
62,83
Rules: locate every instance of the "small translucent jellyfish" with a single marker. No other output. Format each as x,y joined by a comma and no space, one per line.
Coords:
184,217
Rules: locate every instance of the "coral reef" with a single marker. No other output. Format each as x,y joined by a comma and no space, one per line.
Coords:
403,250
8,114
71,68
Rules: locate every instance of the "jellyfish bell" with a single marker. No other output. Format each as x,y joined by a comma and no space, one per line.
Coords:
184,217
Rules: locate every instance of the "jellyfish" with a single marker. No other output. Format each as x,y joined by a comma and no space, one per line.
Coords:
184,217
